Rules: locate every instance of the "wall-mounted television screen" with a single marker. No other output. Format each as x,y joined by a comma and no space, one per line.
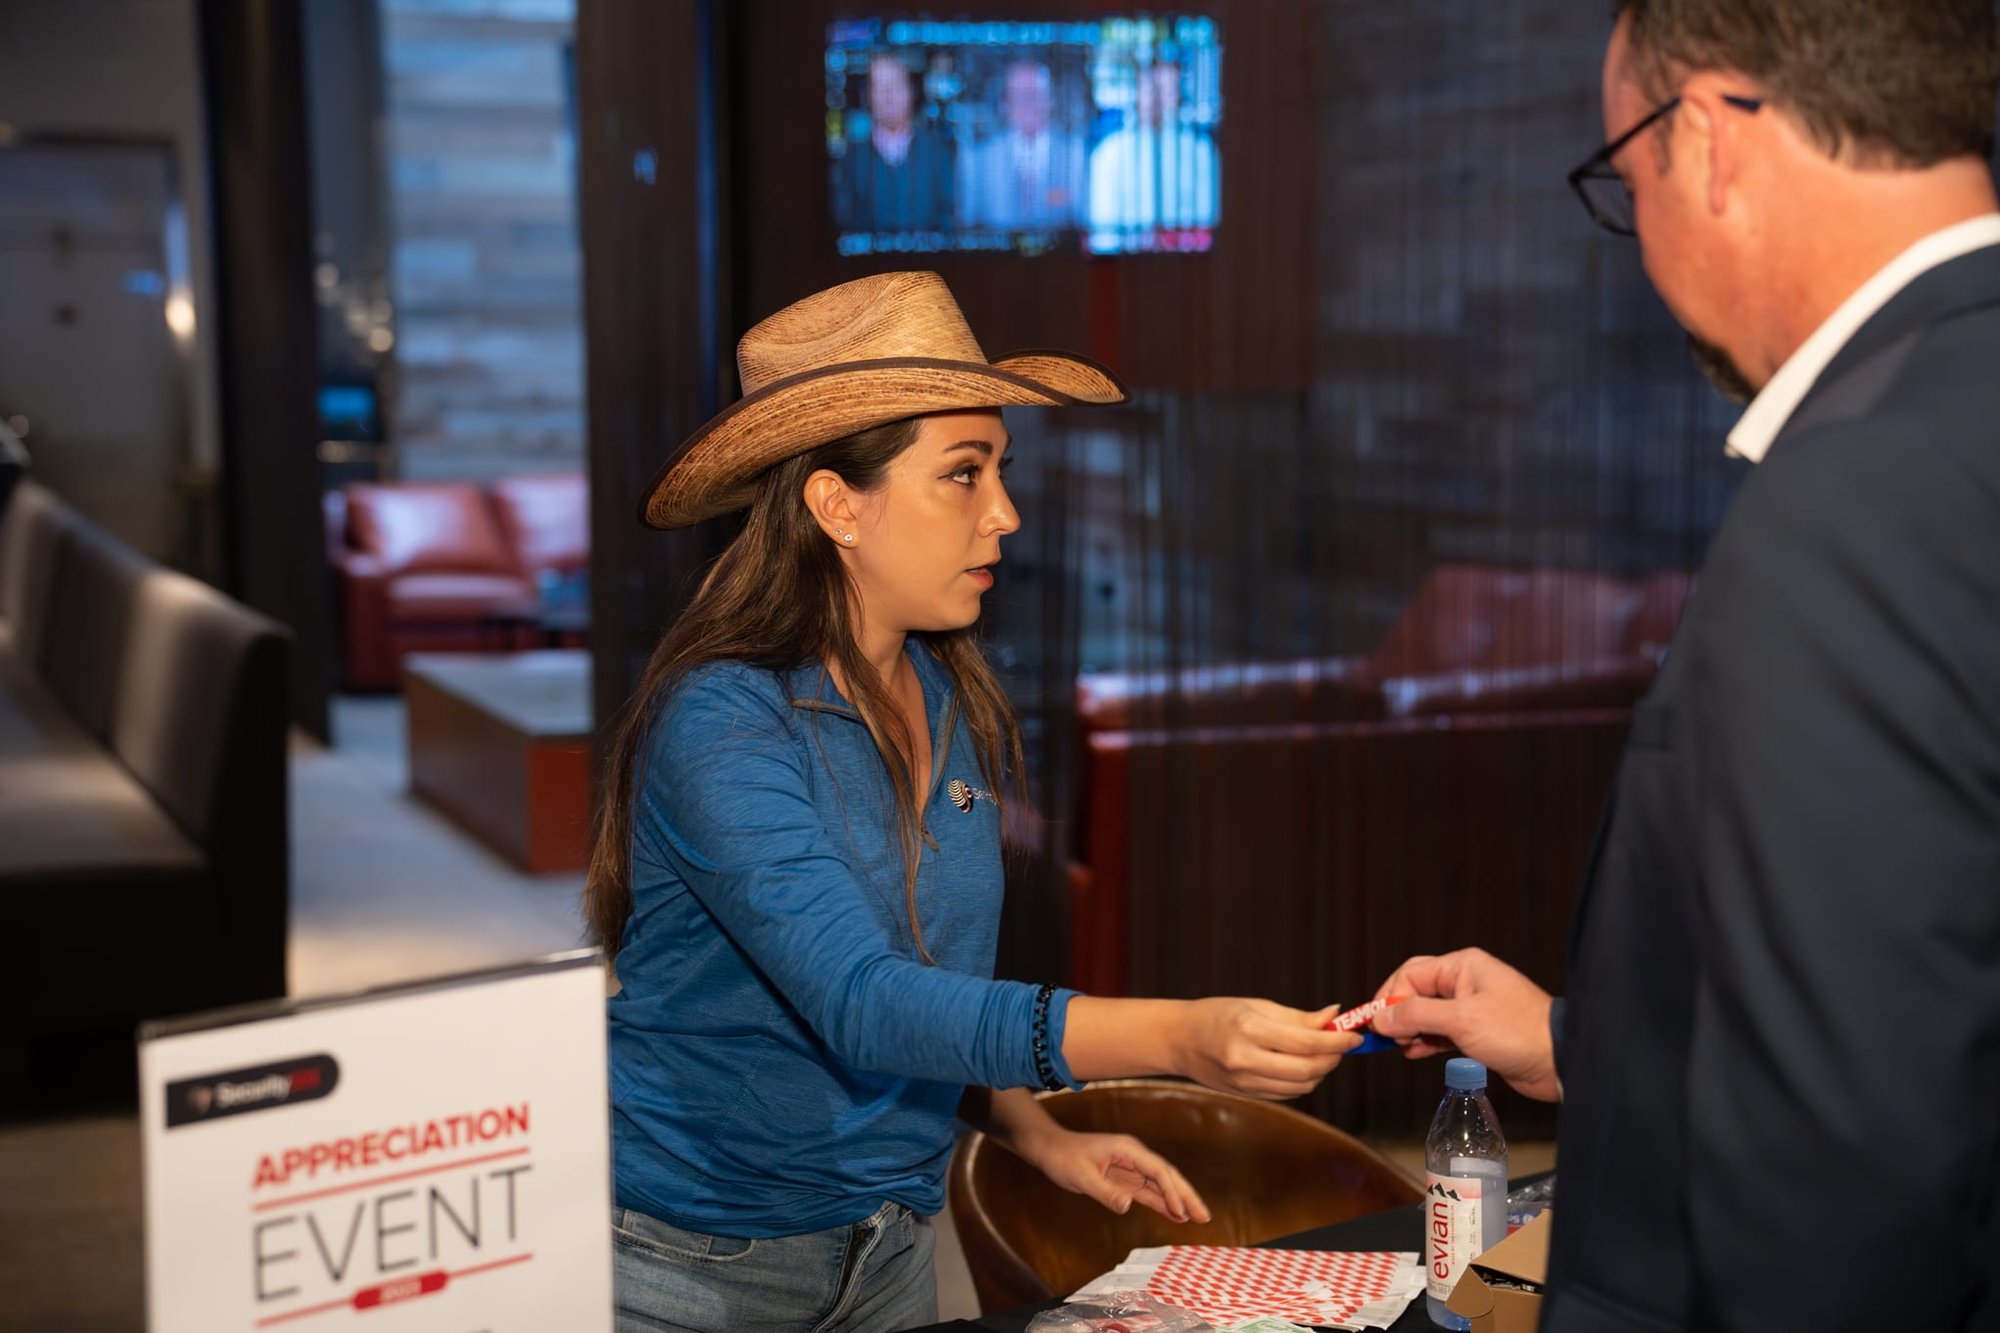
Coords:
948,135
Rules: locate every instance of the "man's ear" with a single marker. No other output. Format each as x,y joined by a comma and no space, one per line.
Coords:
831,504
1715,139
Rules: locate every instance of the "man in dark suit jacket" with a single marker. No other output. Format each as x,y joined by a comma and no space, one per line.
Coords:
899,177
1779,1057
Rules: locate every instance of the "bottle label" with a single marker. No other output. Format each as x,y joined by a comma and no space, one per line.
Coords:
1451,1229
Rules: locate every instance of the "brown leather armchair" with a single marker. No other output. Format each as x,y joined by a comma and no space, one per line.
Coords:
426,567
1264,1170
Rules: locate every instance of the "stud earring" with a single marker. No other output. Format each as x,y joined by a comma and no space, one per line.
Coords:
845,535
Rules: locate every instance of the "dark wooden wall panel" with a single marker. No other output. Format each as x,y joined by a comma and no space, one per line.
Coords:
1305,863
1239,318
653,209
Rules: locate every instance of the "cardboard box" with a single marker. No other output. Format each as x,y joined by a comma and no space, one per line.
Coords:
1501,1291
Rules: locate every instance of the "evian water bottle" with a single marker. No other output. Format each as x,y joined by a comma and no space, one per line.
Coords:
1465,1194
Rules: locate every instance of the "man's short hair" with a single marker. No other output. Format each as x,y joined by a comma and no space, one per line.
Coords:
1906,83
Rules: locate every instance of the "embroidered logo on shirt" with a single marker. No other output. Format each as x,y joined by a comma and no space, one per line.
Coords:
963,794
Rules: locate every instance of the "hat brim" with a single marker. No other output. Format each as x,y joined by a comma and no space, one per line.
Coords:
715,469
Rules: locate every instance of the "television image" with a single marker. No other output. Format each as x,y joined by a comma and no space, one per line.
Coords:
1024,136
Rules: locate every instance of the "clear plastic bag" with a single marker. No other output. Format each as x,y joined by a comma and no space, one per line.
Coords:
1118,1312
1524,1205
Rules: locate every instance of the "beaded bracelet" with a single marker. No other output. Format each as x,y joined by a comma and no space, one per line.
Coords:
1045,1068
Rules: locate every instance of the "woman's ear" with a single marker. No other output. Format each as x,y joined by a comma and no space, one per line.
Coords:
831,504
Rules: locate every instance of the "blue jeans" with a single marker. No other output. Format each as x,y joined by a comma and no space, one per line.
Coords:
872,1277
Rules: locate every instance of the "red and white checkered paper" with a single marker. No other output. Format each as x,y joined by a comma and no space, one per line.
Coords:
1229,1284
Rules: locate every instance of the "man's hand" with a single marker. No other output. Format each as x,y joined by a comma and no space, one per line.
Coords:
1472,1001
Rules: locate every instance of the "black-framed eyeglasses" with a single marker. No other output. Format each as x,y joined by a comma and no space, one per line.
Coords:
1605,195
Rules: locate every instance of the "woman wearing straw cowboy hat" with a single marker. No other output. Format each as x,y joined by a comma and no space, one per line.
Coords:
799,871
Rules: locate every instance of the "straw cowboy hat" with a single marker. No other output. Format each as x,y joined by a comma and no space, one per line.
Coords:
858,355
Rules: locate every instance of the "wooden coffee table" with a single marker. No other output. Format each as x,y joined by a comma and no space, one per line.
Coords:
500,743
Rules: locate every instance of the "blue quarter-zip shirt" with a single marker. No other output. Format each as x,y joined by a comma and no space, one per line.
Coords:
782,1061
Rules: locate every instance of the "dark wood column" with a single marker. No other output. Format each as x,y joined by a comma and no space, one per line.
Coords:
254,72
653,181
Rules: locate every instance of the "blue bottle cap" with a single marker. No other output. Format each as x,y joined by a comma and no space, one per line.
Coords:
1463,1075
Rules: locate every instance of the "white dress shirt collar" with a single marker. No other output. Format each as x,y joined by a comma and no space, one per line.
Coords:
1774,405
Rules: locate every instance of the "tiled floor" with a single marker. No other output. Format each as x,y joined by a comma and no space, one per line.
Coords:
386,889
383,890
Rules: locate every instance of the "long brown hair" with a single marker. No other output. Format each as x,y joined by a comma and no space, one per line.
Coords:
780,597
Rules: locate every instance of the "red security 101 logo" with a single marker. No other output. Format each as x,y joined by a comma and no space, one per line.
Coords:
255,1088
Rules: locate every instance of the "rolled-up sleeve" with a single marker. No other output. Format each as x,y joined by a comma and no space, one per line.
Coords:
726,801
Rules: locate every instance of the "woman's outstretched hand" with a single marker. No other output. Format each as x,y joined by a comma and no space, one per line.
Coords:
1117,1170
1253,1047
1260,1048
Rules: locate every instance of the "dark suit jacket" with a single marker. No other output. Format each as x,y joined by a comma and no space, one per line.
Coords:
913,195
1781,1045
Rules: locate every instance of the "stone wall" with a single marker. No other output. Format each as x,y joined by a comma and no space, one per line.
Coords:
480,156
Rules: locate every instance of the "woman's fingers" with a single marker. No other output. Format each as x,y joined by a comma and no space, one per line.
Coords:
1158,1183
1265,1062
1260,1048
1295,1032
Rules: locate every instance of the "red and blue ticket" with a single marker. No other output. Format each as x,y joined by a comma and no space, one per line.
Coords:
1359,1017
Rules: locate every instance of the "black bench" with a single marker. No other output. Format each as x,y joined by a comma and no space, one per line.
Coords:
13,462
144,820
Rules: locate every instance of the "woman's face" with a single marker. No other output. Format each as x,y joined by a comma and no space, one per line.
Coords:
925,541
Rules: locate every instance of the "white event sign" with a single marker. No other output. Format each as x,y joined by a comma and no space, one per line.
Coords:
426,1157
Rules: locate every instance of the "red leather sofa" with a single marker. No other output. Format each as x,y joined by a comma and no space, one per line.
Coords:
436,566
1296,829
1472,639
